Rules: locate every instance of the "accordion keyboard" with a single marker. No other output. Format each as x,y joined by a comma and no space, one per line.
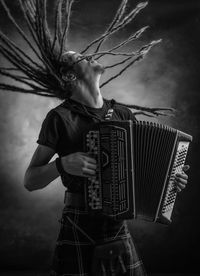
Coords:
108,190
171,191
94,183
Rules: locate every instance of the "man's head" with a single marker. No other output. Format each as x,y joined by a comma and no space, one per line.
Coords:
79,67
77,71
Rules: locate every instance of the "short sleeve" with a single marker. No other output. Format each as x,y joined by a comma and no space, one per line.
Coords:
125,113
130,115
50,131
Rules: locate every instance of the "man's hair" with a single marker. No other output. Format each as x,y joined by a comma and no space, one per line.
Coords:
42,75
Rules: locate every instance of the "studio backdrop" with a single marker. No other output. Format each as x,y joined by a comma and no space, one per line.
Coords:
169,76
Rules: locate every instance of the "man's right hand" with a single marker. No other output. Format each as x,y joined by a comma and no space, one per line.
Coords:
80,164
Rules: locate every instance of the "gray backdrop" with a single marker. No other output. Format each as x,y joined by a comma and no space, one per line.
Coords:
169,76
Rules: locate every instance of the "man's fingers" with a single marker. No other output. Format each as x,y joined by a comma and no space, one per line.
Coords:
181,176
87,172
181,186
178,189
91,166
89,159
185,168
181,180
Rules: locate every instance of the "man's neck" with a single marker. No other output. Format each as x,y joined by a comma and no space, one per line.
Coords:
89,94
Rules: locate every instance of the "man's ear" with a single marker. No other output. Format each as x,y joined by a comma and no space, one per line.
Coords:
68,75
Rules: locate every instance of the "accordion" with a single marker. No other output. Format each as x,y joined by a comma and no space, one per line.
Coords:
136,167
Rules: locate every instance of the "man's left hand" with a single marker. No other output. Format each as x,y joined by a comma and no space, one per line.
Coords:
181,179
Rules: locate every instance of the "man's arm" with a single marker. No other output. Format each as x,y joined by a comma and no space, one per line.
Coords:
40,172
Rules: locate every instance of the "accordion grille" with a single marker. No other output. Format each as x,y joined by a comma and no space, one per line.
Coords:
153,152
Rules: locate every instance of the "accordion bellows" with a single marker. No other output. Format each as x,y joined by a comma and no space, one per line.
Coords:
136,167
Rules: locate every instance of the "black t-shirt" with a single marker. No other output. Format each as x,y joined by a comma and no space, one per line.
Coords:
64,127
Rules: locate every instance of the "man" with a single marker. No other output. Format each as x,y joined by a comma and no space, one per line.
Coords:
75,79
82,236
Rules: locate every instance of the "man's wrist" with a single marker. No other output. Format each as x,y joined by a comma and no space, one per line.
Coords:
59,166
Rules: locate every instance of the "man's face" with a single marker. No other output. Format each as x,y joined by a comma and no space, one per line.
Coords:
84,67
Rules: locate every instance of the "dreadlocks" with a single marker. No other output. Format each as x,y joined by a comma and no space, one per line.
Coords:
43,76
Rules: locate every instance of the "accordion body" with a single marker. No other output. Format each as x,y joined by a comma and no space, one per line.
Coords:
136,167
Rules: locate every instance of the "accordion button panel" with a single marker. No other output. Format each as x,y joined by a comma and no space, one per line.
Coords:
171,191
94,196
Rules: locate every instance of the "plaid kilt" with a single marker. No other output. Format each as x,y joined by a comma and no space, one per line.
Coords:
80,233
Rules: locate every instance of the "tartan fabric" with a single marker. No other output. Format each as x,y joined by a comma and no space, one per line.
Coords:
78,236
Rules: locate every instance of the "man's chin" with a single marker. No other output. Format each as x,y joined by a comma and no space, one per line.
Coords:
99,68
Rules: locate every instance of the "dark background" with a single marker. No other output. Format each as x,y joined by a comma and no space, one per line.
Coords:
169,76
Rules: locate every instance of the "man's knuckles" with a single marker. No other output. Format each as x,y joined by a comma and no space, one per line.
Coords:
180,185
181,175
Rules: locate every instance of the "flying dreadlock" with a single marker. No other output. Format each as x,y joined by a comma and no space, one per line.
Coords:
43,75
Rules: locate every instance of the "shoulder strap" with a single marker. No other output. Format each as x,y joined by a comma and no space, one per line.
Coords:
110,111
